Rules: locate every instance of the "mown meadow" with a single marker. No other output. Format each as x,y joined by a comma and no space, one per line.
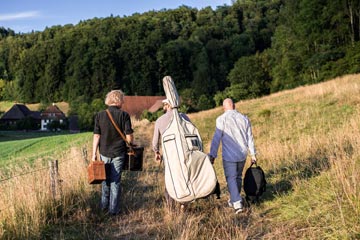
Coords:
308,144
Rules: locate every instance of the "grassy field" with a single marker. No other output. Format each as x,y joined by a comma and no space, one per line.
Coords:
308,144
18,147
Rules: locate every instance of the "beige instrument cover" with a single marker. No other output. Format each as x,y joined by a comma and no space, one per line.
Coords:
189,173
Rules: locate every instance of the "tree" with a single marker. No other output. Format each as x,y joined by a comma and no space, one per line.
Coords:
174,60
27,76
202,82
248,78
2,89
48,84
188,98
6,32
352,10
204,103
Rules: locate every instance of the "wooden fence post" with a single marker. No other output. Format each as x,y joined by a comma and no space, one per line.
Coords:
58,186
52,179
55,183
85,155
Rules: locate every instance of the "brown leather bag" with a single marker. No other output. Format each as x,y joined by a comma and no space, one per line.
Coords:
96,172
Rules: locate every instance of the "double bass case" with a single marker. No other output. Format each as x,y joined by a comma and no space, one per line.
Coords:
189,174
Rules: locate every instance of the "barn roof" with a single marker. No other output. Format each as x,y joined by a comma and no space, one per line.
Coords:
135,105
53,112
19,111
156,106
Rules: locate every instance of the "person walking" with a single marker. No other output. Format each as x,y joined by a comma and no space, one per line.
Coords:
234,131
112,148
160,126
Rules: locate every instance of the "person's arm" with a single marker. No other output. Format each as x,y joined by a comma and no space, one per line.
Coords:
184,116
127,129
215,142
155,142
156,136
251,144
96,140
130,138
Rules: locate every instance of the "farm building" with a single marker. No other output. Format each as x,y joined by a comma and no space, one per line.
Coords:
74,124
19,112
136,105
50,114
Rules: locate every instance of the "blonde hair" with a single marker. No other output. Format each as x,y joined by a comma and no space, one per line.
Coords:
115,97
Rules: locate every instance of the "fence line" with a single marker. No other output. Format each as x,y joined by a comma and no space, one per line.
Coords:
55,181
26,173
84,156
22,174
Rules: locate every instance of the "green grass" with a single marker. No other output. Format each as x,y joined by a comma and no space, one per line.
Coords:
18,147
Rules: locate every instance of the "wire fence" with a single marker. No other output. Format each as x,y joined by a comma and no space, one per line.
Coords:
55,181
22,174
26,173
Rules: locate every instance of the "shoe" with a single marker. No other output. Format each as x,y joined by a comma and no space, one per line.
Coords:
238,206
239,210
114,214
230,204
182,208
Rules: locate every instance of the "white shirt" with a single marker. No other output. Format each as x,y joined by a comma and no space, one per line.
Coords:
233,129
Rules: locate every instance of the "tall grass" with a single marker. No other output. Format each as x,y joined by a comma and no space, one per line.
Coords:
308,144
27,205
311,151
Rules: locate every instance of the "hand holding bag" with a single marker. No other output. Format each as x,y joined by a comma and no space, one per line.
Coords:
96,172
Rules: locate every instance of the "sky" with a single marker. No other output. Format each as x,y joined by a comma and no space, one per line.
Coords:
24,16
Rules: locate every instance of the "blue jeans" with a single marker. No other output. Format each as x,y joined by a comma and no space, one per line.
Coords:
233,174
111,188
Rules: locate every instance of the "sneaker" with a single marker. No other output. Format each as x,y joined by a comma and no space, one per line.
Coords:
239,210
182,208
238,206
230,204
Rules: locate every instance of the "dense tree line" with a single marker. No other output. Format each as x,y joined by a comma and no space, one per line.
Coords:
246,50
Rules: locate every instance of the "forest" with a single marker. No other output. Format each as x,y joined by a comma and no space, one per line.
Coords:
246,50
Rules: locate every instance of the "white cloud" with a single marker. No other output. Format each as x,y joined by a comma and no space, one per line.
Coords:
19,16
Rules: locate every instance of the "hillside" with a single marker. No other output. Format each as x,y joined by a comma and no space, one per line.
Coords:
244,50
308,144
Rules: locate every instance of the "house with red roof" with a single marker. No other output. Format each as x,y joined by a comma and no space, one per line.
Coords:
50,114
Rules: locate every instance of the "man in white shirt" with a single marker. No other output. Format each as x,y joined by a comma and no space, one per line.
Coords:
233,130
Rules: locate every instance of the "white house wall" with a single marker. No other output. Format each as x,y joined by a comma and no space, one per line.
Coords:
44,123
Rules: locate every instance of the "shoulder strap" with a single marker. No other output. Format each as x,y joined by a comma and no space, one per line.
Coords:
117,129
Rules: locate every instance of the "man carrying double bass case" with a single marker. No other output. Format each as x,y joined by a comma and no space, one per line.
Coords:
160,126
189,174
